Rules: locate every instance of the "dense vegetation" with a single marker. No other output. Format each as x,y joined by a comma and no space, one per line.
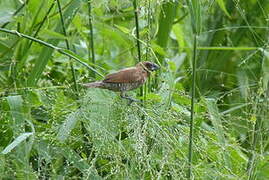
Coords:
215,65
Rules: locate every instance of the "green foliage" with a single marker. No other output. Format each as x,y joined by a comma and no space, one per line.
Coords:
49,130
166,20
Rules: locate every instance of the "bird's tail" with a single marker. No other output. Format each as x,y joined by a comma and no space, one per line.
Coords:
97,84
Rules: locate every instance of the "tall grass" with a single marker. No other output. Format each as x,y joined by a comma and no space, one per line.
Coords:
195,12
67,45
62,51
91,41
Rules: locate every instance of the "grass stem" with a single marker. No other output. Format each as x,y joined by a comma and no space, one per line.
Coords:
60,50
190,153
67,46
137,36
91,42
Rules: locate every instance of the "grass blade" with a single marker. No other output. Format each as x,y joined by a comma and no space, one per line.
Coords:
194,8
79,163
23,148
166,19
16,110
16,142
46,53
215,117
137,37
67,47
67,126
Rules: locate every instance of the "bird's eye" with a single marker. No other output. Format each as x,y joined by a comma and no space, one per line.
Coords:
149,65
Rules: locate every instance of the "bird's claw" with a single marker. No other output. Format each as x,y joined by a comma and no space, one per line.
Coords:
131,100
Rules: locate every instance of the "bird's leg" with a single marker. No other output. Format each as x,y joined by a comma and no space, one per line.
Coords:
122,95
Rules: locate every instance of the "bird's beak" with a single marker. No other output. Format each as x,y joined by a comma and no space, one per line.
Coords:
155,67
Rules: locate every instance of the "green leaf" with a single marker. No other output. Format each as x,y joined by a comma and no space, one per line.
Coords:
16,108
16,142
153,97
166,19
265,70
68,126
71,156
34,98
221,4
180,37
82,61
215,118
195,12
3,47
48,34
23,148
123,29
5,15
114,35
158,49
243,83
46,52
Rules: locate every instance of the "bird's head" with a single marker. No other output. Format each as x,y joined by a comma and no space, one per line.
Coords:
148,66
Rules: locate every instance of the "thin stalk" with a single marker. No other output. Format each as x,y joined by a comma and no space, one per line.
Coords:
12,75
60,50
56,13
189,175
137,29
147,87
258,126
257,139
67,46
137,36
42,23
195,12
225,48
91,42
149,30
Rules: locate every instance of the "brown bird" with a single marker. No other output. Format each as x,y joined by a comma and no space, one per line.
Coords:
126,79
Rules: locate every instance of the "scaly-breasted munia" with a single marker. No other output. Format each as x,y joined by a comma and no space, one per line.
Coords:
126,79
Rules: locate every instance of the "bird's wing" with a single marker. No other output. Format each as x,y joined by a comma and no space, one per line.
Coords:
128,75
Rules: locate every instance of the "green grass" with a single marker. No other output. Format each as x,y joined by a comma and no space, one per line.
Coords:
49,130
